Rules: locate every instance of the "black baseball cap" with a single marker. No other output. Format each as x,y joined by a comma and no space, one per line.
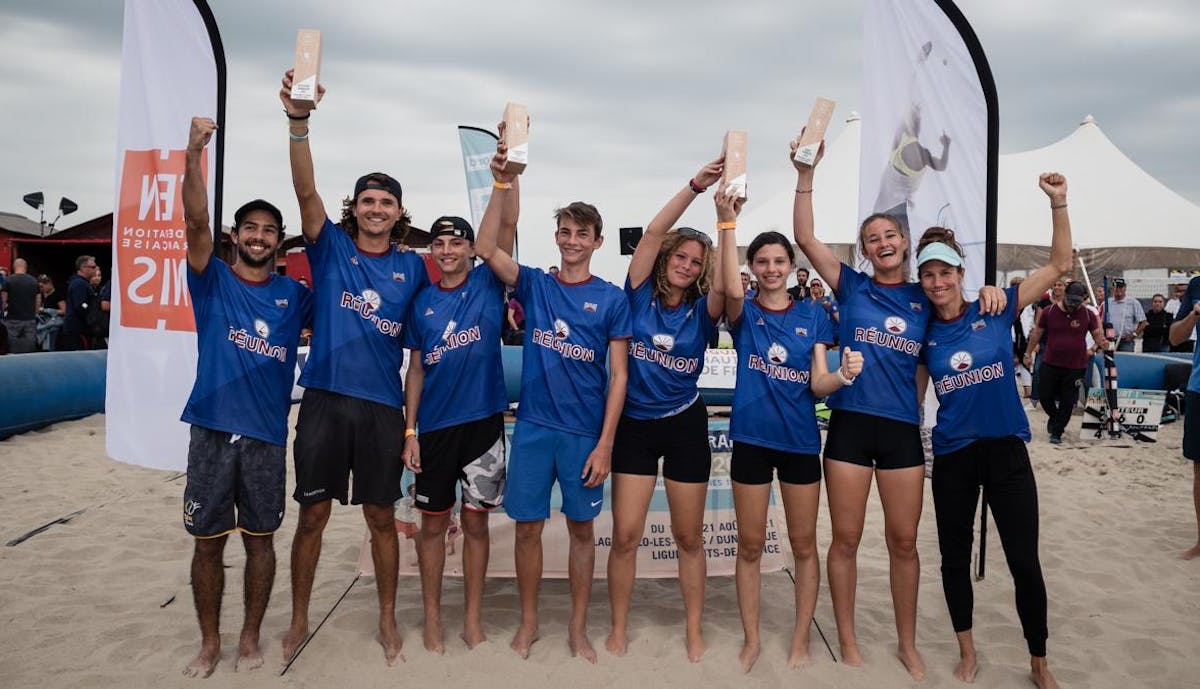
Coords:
379,180
1118,282
452,226
1075,295
257,205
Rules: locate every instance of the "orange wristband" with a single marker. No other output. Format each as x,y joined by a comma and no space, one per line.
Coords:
731,225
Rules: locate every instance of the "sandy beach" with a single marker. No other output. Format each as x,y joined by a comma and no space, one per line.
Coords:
104,600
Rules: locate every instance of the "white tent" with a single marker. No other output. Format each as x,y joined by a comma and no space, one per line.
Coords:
1121,217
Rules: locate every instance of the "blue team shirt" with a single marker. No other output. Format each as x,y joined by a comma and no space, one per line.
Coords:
1190,297
564,380
887,324
360,303
456,333
773,404
971,369
246,334
666,354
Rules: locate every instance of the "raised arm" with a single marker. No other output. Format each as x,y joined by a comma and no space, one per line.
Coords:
511,209
938,164
312,210
486,241
195,196
1055,187
728,206
642,263
823,260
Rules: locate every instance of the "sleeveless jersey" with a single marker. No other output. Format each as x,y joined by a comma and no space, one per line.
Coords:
773,404
456,334
360,303
246,336
666,354
564,379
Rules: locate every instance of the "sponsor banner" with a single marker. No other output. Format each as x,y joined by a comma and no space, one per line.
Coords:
478,147
657,556
1140,412
720,369
927,123
172,69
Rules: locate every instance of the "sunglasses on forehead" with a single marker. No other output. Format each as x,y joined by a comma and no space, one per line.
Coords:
692,233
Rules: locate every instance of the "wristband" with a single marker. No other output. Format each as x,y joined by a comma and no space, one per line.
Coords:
696,188
1055,206
730,225
844,379
501,185
290,116
298,137
804,191
410,432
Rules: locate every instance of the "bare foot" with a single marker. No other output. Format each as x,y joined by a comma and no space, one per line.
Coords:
799,655
293,639
850,654
205,661
1039,672
249,656
581,645
473,635
433,637
1191,553
966,669
523,640
912,662
617,643
390,639
695,645
749,655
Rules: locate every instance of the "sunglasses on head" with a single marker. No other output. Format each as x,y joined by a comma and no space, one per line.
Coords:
692,233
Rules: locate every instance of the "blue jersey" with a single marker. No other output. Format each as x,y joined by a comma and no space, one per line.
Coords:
773,404
887,324
456,332
1186,304
564,380
246,334
360,303
970,364
666,355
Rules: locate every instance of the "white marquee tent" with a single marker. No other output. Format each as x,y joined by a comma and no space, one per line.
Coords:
1121,217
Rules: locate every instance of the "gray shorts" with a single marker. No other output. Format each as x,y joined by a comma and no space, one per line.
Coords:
228,474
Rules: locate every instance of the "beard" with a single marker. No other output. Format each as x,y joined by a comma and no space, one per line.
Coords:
249,260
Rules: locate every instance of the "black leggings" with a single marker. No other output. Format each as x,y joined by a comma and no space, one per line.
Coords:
1058,394
1001,467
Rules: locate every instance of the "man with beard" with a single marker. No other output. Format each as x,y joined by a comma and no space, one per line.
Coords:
351,417
248,322
1066,326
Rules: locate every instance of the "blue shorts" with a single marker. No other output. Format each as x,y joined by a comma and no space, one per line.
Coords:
539,457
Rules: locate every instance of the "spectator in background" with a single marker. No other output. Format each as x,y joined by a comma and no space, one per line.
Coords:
515,321
1177,292
79,292
820,298
22,299
800,292
1128,316
1054,296
96,316
1158,326
50,317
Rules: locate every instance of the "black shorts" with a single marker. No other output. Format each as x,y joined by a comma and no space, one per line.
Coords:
1191,427
229,473
756,465
337,436
873,441
681,440
470,454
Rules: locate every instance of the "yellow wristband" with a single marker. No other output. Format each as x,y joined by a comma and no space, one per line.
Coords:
502,185
727,225
410,432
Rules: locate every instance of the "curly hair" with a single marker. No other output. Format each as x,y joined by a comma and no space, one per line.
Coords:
350,224
702,283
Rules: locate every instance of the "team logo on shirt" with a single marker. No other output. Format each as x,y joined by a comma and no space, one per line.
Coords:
978,325
354,260
365,305
261,327
429,311
256,342
449,329
452,339
281,303
802,332
777,354
663,342
895,325
589,306
915,305
370,299
561,330
759,322
399,277
961,361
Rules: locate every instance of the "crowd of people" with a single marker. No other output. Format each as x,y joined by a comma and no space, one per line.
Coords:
38,317
608,388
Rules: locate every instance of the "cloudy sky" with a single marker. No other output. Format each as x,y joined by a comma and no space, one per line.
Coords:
628,99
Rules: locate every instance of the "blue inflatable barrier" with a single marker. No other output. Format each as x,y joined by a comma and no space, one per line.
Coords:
46,387
1137,371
